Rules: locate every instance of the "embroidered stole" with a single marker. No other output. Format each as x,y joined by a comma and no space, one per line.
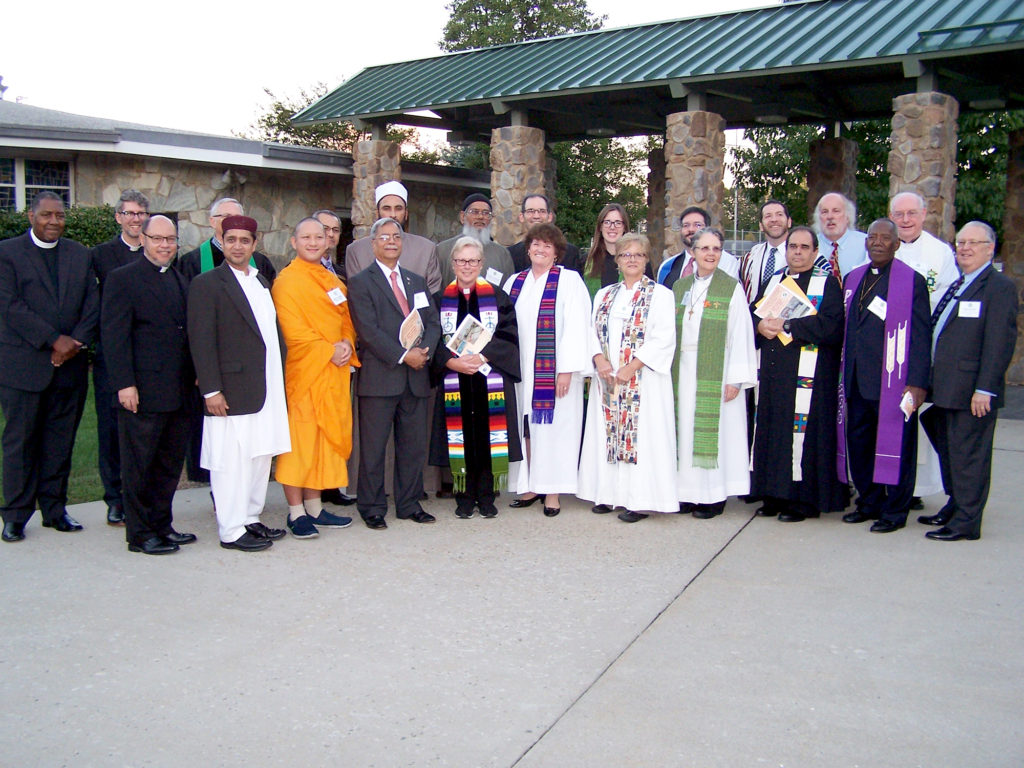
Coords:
206,257
621,406
496,423
542,407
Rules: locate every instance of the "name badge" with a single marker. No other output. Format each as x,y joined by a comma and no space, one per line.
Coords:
969,309
419,301
336,296
877,307
493,276
686,300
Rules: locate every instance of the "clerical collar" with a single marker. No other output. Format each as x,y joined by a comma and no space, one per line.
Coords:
42,243
158,268
706,277
132,248
466,291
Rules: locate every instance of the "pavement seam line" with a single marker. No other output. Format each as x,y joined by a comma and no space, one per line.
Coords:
621,653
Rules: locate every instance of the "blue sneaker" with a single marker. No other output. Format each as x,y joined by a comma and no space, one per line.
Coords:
303,528
327,520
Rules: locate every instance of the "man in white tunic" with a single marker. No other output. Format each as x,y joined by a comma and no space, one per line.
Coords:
715,360
237,352
935,261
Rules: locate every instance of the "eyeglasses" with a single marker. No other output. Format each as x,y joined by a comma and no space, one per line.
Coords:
483,214
709,249
389,238
134,214
610,224
905,214
632,256
535,212
971,243
161,240
335,230
466,262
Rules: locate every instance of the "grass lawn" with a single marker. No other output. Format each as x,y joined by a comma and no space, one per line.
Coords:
84,483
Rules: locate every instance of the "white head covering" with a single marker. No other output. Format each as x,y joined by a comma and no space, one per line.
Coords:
391,188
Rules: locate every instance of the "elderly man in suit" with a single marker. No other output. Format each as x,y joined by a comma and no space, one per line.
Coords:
49,309
419,254
238,354
394,384
151,371
974,333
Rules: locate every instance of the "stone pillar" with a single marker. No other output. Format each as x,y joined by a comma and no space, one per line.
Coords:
656,222
374,162
923,155
1011,252
833,169
694,160
518,165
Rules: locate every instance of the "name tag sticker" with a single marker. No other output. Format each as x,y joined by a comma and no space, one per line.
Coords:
969,309
877,307
336,296
419,301
686,300
493,276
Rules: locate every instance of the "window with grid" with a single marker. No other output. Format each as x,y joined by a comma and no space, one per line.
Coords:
21,179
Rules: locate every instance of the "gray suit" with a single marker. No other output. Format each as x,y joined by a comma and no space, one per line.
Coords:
496,256
419,255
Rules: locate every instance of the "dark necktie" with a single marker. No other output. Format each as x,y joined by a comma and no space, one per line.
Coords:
769,266
946,298
833,262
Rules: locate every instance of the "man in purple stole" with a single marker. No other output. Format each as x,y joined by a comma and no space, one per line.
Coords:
886,357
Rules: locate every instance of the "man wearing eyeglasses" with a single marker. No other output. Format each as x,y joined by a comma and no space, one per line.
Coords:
476,223
537,209
692,221
49,309
332,229
131,214
974,330
151,371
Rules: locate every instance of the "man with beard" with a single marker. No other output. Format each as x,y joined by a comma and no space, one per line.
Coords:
476,223
692,221
419,254
843,246
767,257
537,209
332,229
131,215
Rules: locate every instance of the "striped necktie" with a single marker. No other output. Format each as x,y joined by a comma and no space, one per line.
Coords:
769,266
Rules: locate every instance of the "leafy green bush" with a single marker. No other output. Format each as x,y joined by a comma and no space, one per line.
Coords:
89,225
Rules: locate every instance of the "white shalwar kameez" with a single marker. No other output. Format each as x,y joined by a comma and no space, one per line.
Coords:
732,476
238,449
650,484
935,261
551,464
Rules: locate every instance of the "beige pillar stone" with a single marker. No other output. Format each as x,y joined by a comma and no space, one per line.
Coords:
922,157
374,162
656,222
518,165
1011,252
694,165
833,168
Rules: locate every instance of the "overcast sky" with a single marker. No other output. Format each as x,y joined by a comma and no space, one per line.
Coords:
183,65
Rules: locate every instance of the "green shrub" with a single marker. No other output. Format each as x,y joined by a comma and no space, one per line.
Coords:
88,224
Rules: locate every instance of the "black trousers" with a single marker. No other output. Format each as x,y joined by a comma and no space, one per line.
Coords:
195,445
406,414
37,442
153,449
107,444
891,502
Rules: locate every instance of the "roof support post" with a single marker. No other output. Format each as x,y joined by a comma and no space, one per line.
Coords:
656,221
694,166
1012,249
833,168
922,157
374,162
518,163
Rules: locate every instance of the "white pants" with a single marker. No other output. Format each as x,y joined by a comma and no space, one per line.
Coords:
239,493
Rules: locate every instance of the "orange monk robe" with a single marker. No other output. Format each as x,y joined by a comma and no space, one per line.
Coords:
318,392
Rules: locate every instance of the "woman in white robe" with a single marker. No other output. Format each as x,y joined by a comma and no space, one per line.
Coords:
550,437
703,490
628,457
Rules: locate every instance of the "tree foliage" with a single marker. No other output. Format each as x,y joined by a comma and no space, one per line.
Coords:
89,225
482,23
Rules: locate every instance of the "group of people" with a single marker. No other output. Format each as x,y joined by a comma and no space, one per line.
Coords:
536,368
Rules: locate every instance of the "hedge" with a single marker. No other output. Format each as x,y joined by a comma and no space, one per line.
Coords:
89,225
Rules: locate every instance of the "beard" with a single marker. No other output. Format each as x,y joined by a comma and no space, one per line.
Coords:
482,234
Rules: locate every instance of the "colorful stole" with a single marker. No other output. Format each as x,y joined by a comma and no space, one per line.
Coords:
206,257
621,408
713,335
889,437
496,424
542,406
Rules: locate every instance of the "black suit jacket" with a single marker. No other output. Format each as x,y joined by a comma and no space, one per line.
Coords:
190,263
106,257
973,353
228,350
377,317
34,312
147,341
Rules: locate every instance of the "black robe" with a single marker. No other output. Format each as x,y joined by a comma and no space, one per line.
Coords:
773,437
502,353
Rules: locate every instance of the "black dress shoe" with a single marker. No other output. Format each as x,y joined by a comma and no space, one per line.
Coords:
115,515
916,503
885,526
551,511
520,503
948,534
247,542
65,524
445,492
14,531
707,511
765,511
600,509
422,517
180,538
629,516
155,545
859,516
334,496
375,522
259,529
791,517
686,507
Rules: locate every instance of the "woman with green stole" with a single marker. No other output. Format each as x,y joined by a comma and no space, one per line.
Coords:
714,360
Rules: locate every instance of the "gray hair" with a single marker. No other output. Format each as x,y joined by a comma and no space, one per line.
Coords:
37,201
330,213
467,242
381,222
986,228
295,232
708,231
218,203
132,196
849,207
920,200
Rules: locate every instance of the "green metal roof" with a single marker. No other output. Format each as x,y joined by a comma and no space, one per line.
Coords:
819,60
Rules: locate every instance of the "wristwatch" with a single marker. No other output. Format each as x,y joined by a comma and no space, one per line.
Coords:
785,326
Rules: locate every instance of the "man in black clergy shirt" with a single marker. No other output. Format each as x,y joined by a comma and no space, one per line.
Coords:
151,371
49,307
131,214
536,209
